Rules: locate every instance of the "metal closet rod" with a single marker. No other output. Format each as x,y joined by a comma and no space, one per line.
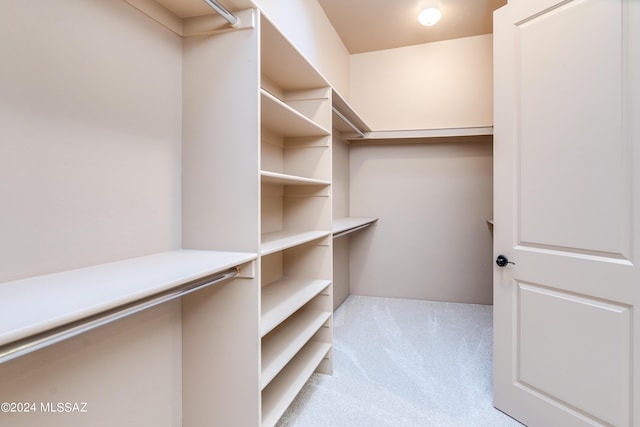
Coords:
230,17
348,122
350,230
35,342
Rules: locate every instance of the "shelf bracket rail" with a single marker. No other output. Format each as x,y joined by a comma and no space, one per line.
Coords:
348,122
233,20
44,339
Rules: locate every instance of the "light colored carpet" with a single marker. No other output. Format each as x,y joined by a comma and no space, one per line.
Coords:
404,363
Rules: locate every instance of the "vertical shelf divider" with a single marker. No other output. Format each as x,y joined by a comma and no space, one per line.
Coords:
220,349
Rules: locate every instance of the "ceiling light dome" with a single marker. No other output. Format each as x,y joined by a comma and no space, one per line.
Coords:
429,16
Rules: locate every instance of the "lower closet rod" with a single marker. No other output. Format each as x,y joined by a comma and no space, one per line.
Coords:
44,339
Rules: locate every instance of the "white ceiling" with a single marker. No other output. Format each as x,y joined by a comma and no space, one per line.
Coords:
368,25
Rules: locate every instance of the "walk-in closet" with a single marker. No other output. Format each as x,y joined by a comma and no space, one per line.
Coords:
228,213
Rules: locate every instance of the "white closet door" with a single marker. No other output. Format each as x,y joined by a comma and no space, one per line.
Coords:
567,168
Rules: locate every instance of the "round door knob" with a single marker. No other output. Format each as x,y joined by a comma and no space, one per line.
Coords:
502,261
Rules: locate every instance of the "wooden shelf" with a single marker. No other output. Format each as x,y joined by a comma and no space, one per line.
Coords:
284,342
286,121
281,178
280,240
31,306
342,226
284,297
284,388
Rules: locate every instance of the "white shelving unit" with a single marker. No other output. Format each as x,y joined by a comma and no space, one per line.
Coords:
295,249
251,166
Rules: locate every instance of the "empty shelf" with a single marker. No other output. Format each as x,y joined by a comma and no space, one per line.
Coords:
286,121
284,342
284,388
481,133
342,226
280,178
284,297
283,63
280,240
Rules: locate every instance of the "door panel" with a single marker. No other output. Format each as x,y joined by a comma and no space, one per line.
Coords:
566,164
577,144
558,350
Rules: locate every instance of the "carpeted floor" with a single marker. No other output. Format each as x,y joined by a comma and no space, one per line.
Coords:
404,363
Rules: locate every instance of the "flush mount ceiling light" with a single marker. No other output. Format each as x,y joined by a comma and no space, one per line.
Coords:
429,16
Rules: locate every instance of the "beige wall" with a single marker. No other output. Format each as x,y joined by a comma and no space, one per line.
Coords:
432,241
307,27
434,85
90,106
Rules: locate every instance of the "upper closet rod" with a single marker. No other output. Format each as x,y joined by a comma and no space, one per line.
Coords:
230,17
348,122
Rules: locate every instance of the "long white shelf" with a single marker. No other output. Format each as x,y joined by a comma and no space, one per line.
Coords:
34,305
284,297
342,226
281,240
284,342
286,121
281,178
284,388
479,133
